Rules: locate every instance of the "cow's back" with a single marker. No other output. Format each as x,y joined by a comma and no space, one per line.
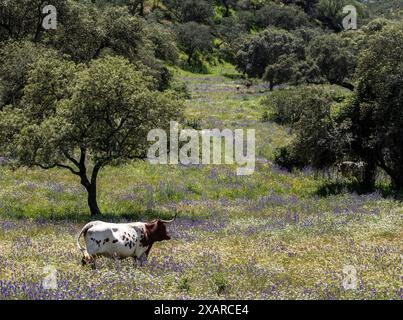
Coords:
111,239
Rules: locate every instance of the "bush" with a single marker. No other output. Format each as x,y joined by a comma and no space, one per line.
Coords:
284,17
265,48
194,39
286,158
16,60
336,58
180,88
312,113
375,114
286,106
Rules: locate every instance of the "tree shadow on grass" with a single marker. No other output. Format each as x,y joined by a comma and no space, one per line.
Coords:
84,217
336,188
234,76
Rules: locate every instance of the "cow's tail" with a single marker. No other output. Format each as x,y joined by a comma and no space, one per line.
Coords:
83,231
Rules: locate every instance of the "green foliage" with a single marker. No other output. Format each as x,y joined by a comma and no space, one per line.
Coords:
184,284
231,33
287,158
390,9
164,42
141,30
71,114
221,282
180,88
200,11
365,126
286,106
228,6
16,59
284,17
316,133
278,57
194,38
80,31
376,25
336,58
266,48
87,31
330,12
376,112
21,19
310,110
288,69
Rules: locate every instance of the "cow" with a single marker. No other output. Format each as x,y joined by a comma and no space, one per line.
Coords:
121,240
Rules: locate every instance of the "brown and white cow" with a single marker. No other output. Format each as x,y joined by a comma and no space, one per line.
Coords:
121,240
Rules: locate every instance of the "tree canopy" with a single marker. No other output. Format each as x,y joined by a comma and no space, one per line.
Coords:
376,114
72,116
84,95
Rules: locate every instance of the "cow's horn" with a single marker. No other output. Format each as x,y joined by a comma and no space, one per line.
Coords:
170,221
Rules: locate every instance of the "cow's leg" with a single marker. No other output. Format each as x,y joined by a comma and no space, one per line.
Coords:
135,261
93,262
115,259
87,259
143,259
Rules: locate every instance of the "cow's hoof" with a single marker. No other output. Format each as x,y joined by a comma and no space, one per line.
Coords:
83,262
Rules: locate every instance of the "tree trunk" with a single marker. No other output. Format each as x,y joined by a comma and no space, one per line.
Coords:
92,200
397,182
39,25
369,176
91,187
226,13
396,175
142,8
190,58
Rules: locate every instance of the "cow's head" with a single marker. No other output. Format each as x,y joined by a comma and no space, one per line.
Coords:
157,231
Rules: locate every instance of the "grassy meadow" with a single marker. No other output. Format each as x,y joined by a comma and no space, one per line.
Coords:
271,235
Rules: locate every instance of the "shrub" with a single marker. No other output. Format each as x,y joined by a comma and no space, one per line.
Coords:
180,88
184,284
286,106
286,158
221,283
265,48
194,38
312,113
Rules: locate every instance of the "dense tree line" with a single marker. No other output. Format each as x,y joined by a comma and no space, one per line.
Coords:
82,96
144,30
364,125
